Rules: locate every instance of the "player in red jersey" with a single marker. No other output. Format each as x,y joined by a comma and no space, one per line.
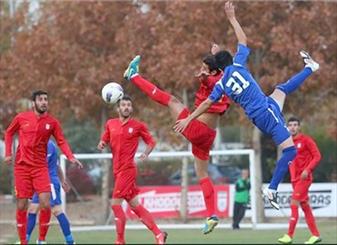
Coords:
31,169
201,132
307,158
122,134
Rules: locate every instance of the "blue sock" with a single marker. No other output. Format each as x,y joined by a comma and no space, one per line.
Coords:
65,226
288,154
30,225
294,82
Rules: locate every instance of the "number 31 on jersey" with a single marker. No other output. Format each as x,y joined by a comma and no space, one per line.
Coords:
237,83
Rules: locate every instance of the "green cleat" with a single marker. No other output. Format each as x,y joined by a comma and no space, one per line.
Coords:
313,240
286,239
210,224
133,68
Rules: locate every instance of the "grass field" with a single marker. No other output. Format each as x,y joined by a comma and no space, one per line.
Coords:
328,231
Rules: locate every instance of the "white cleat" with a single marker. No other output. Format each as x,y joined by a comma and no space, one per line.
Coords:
272,197
308,61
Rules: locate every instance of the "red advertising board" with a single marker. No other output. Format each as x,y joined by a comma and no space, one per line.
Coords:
164,201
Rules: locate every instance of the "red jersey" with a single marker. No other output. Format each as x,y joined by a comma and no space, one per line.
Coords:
206,86
34,133
123,139
308,157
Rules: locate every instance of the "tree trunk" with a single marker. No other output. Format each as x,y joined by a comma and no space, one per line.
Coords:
184,179
106,170
258,175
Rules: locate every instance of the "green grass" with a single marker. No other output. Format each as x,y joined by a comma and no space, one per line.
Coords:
192,236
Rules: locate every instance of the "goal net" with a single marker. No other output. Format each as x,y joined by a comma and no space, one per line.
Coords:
169,188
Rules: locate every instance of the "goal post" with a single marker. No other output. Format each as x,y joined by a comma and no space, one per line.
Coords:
181,154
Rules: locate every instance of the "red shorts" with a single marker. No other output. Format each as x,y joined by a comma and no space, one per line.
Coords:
30,179
200,135
300,190
125,184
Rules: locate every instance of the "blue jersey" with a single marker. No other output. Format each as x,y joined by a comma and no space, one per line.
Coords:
238,84
52,158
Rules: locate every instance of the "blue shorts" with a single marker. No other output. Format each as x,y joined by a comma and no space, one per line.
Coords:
271,122
55,197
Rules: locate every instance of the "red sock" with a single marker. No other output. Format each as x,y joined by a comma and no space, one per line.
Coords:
208,192
21,224
44,220
293,220
309,218
147,219
151,90
120,221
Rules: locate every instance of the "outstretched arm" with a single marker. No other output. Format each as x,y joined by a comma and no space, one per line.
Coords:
230,12
181,125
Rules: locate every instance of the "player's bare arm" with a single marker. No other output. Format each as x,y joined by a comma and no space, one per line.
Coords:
146,153
230,12
63,181
77,162
180,125
101,145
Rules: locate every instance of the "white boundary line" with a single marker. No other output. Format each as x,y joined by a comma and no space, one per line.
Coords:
259,226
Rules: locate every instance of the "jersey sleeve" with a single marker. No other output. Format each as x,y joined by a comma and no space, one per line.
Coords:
217,92
106,134
62,142
241,56
10,131
316,155
146,136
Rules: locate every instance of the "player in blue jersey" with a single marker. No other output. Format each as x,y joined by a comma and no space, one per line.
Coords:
57,180
265,112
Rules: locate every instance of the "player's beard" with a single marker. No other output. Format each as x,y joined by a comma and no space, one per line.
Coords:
41,109
126,114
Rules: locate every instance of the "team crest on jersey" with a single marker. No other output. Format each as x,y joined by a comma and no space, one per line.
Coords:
299,145
47,126
130,130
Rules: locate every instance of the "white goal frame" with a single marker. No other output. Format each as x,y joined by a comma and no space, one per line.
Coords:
180,154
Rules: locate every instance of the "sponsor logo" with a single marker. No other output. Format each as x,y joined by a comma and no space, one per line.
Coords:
130,130
317,198
47,126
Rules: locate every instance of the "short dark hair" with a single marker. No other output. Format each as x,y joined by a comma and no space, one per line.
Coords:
210,61
125,97
38,93
223,59
294,119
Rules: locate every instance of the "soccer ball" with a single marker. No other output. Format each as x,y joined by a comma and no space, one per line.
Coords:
112,92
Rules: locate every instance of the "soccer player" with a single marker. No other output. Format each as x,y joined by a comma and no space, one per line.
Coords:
31,169
57,179
307,159
201,133
123,134
264,112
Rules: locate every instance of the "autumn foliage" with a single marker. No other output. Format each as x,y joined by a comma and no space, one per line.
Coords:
70,48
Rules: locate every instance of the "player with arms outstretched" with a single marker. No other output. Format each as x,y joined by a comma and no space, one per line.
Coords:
31,169
123,134
306,160
57,179
265,112
201,132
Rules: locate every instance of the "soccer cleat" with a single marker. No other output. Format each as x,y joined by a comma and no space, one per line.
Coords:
119,242
308,61
286,239
40,242
272,197
133,68
313,240
161,238
210,224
